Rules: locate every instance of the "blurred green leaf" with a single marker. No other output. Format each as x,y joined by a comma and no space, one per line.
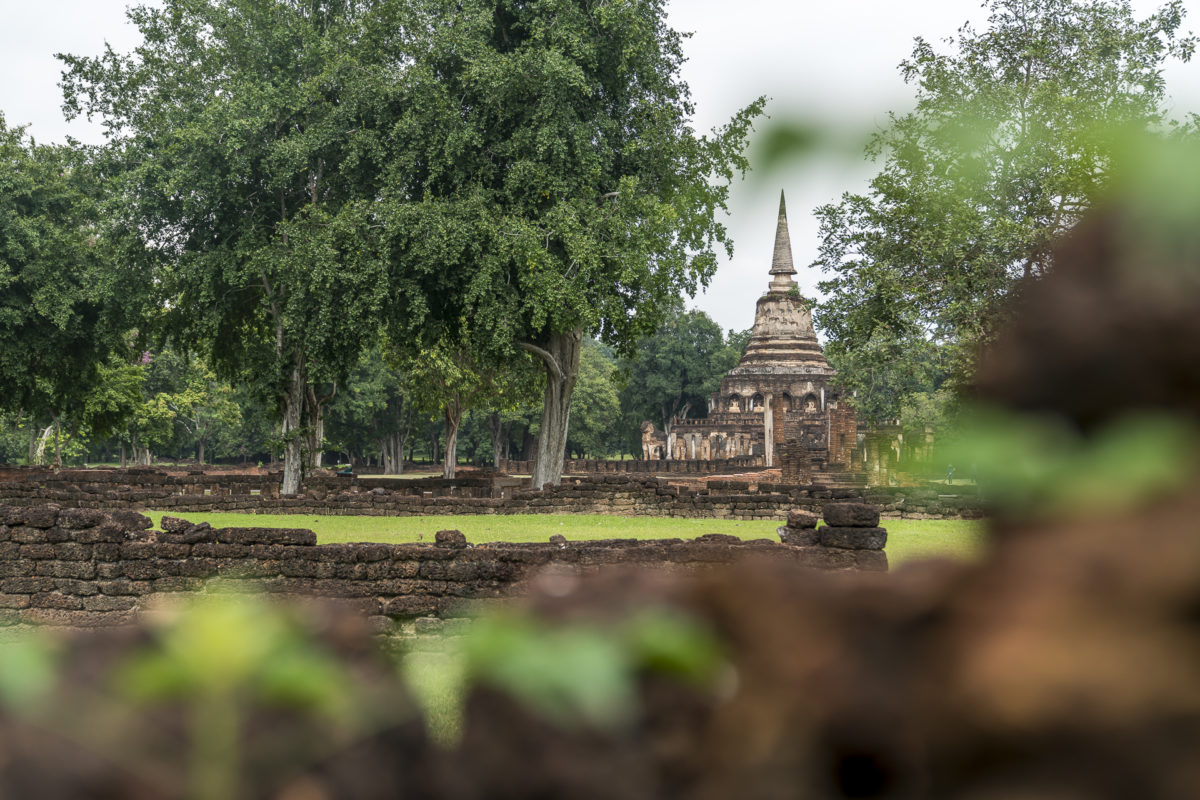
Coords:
1039,465
587,674
28,671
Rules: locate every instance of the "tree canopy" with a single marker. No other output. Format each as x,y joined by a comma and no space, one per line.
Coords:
550,183
1009,143
65,304
676,370
247,132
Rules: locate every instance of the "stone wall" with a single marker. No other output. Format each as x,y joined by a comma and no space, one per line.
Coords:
151,483
83,567
590,466
611,494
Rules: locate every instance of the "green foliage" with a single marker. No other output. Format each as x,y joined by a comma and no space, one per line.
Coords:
64,304
675,370
595,408
221,655
376,402
548,183
583,674
1011,141
564,188
29,669
1039,465
245,145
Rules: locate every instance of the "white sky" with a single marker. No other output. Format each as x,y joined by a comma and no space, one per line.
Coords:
831,64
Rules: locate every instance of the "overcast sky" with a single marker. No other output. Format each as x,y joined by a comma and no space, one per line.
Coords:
832,64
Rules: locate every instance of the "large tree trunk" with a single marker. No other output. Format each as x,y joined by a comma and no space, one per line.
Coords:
293,438
496,426
314,411
434,441
560,357
453,420
39,454
391,448
200,451
57,445
123,462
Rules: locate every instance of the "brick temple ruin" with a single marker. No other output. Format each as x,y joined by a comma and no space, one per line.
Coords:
780,406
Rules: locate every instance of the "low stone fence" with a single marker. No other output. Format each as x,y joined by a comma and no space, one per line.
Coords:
588,466
149,484
84,567
609,494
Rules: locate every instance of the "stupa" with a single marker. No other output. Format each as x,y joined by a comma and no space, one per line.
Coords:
779,399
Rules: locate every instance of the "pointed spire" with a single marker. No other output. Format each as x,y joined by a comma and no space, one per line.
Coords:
781,262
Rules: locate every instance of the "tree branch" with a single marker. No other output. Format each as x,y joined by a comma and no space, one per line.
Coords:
550,360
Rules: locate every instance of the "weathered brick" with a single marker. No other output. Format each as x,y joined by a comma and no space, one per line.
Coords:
292,536
106,603
299,568
106,551
177,584
799,518
131,520
413,606
36,551
76,518
16,569
335,552
197,567
76,587
38,516
14,601
84,570
798,537
122,587
27,535
172,550
56,600
850,515
144,570
133,551
75,619
174,524
106,532
72,551
853,538
220,550
26,585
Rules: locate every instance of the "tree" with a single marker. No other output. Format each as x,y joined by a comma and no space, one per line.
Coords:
676,370
248,136
597,408
1009,143
375,411
457,377
65,308
550,185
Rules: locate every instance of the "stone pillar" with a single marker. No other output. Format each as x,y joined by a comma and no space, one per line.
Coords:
776,431
769,430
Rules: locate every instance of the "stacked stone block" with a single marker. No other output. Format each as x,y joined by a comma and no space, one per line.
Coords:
800,530
852,526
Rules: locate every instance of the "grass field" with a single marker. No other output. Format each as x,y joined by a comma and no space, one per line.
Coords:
907,539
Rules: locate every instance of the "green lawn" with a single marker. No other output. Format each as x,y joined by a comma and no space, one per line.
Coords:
907,539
